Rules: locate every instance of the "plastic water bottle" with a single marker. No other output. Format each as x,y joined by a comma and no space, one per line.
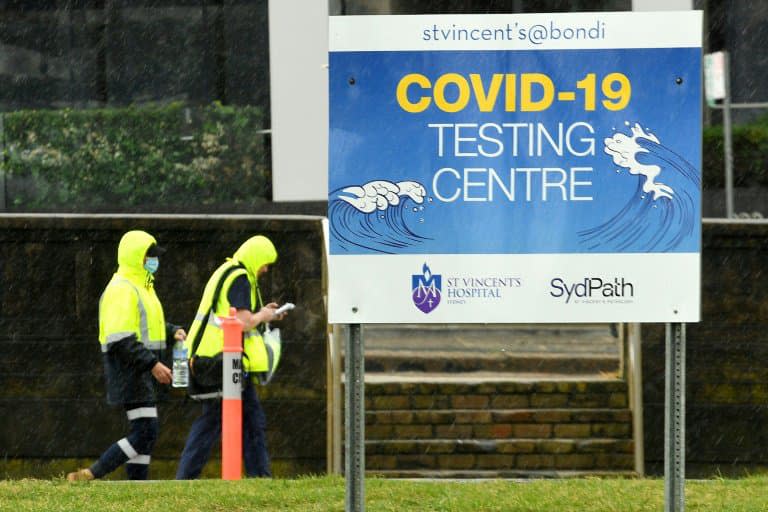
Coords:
180,367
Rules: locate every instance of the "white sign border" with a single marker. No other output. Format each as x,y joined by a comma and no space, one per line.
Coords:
466,32
531,288
666,286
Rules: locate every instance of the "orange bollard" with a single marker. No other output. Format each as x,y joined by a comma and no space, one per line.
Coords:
231,399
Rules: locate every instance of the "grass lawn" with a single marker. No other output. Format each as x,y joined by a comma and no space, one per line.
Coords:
328,494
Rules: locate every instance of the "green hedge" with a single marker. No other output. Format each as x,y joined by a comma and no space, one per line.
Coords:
750,155
158,158
171,158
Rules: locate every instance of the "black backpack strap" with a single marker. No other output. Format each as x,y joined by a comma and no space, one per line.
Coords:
214,300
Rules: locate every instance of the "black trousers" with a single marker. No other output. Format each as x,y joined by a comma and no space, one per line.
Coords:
135,449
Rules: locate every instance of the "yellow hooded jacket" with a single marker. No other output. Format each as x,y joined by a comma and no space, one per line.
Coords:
251,256
132,328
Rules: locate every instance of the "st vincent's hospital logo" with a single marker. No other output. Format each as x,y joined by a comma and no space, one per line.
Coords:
426,289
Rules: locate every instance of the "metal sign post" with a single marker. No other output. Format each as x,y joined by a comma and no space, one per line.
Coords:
2,165
728,140
354,420
674,419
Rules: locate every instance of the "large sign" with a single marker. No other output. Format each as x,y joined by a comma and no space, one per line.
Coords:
515,168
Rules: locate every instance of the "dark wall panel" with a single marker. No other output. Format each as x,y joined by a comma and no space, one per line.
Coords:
726,360
53,271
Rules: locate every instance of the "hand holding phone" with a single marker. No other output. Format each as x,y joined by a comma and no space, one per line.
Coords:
285,307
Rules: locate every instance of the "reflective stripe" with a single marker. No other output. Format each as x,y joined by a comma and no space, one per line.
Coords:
117,336
128,450
270,358
206,396
139,459
113,338
143,323
155,345
151,345
142,412
214,321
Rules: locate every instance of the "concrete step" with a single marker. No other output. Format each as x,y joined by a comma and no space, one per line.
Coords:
449,425
494,338
495,474
503,348
497,424
482,377
502,454
495,394
389,361
508,446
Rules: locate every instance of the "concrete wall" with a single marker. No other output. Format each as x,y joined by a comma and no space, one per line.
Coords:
53,416
726,359
52,411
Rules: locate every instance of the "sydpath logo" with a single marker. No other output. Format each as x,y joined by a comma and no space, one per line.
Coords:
426,289
593,290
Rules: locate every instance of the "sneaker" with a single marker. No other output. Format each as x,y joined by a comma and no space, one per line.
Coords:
80,475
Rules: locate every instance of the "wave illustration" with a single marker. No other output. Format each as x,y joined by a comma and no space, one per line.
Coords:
659,216
374,216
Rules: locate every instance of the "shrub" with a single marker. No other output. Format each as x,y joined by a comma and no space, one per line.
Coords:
750,155
156,157
175,158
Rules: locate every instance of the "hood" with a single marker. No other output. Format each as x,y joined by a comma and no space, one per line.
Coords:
255,252
133,246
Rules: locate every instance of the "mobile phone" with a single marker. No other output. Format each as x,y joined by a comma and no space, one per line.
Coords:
285,307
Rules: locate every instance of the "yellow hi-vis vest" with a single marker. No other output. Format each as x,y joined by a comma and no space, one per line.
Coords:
258,356
128,307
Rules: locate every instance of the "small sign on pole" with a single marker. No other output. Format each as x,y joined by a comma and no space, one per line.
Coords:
714,77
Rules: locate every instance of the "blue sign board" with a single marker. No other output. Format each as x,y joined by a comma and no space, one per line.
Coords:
471,156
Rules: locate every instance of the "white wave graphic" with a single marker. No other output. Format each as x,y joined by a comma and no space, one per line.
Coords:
624,150
657,216
381,194
377,216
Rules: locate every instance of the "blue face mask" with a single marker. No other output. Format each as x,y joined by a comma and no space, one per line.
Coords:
151,265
